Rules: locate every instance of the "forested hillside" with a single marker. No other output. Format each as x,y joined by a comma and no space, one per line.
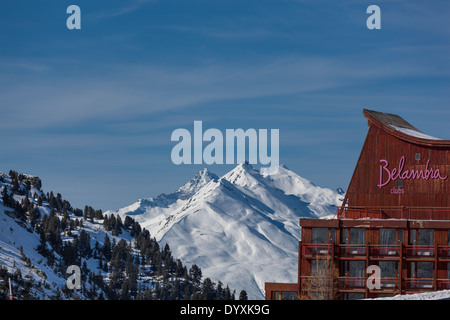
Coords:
41,235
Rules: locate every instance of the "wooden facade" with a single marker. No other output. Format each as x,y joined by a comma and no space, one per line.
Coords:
395,218
385,143
410,262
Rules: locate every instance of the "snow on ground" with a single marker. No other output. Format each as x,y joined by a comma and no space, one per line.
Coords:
13,239
435,295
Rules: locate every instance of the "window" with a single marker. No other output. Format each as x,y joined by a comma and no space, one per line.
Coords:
426,237
448,270
391,236
352,295
389,273
323,235
288,295
353,236
413,237
420,274
357,268
387,236
400,183
352,268
319,235
357,236
417,156
332,235
284,295
421,237
424,269
344,236
388,269
321,268
400,236
421,269
352,273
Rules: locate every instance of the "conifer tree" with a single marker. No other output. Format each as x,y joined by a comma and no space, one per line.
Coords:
195,273
107,248
243,295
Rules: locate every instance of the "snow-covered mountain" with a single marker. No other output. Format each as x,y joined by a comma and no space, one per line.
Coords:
242,228
41,235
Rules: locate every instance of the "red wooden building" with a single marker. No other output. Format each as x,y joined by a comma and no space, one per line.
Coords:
392,234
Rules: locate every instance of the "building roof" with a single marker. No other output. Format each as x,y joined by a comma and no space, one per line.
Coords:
402,129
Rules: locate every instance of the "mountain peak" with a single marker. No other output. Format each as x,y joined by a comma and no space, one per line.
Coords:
243,174
198,181
246,167
206,220
206,173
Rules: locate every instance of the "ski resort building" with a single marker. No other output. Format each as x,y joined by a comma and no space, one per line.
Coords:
392,233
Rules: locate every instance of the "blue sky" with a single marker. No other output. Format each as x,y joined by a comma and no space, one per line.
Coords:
91,111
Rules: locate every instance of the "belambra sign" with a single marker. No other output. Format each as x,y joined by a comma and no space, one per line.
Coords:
387,175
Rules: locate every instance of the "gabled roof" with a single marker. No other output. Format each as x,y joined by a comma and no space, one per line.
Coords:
402,129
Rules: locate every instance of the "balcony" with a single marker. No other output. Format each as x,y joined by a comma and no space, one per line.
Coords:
419,251
420,262
352,250
410,213
347,283
443,284
376,251
382,251
418,284
315,250
390,284
318,250
444,252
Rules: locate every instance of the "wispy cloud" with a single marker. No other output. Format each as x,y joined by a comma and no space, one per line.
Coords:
132,90
109,13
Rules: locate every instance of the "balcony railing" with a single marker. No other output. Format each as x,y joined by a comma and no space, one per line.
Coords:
419,251
386,284
418,284
443,251
317,250
384,251
443,284
411,213
371,253
350,283
352,250
375,251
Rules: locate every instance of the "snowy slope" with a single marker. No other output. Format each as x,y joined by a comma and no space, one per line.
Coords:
18,242
35,275
11,257
241,228
155,214
15,235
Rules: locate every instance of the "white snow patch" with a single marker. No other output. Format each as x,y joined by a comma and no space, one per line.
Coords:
435,295
414,133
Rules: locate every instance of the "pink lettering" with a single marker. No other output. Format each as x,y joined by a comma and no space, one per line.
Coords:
398,173
396,190
382,184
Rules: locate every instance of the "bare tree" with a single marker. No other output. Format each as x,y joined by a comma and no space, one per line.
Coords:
323,284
